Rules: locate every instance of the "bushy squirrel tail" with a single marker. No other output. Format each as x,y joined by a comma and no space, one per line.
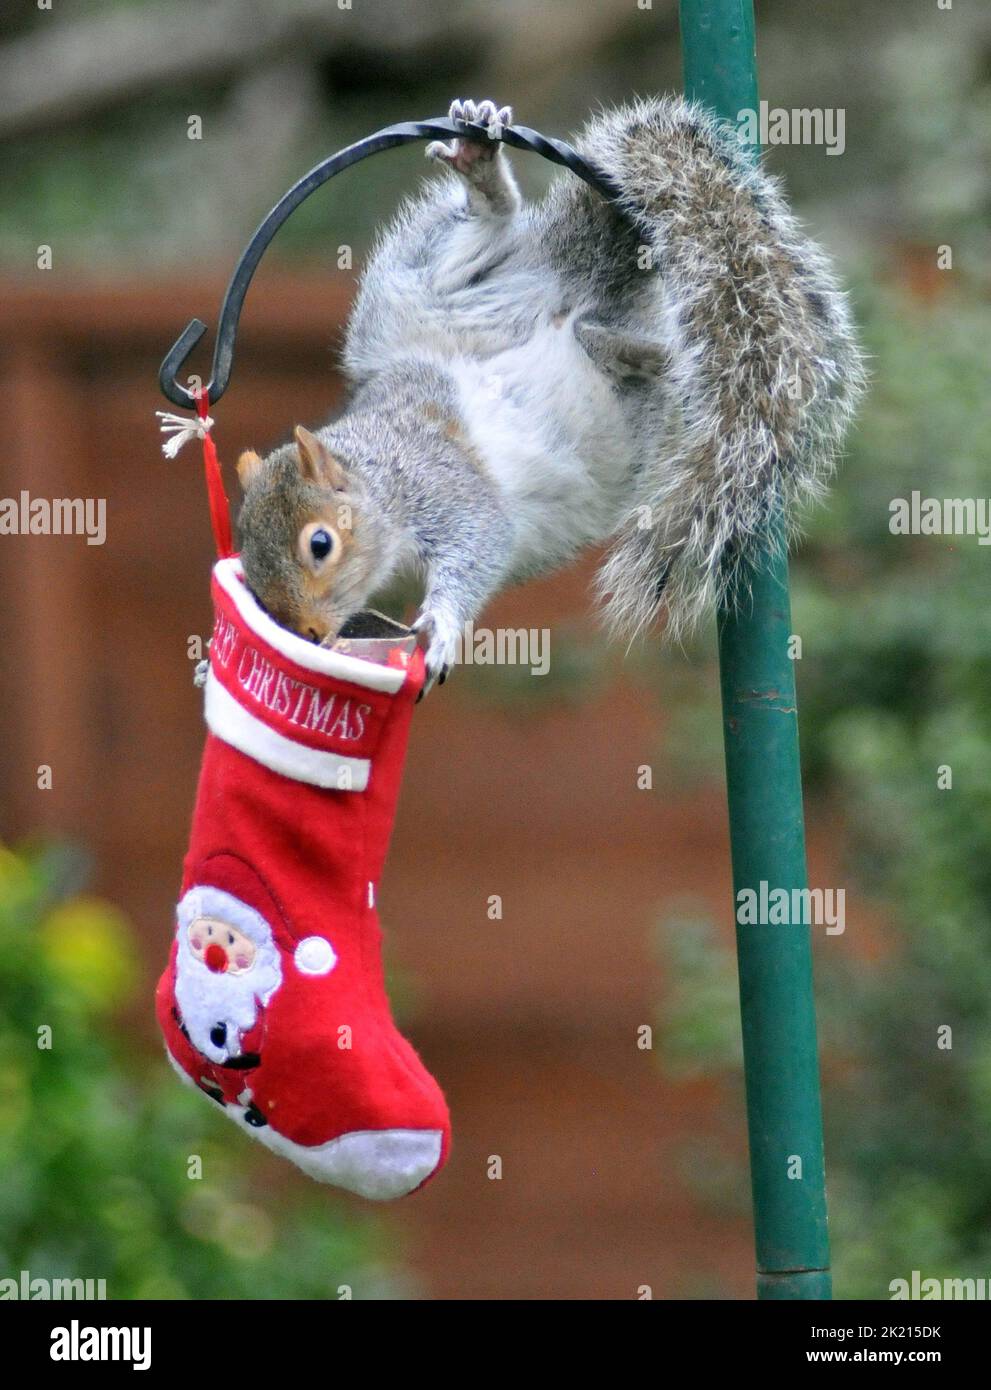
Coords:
764,373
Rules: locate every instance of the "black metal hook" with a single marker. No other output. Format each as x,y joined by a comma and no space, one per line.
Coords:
519,137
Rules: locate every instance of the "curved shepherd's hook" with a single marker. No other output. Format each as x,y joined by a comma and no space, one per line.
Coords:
518,137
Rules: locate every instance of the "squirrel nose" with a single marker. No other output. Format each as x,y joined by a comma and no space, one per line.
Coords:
215,958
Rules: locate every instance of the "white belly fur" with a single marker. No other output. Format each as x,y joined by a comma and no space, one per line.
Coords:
550,432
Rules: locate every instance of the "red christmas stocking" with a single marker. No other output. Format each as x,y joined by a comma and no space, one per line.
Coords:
273,1002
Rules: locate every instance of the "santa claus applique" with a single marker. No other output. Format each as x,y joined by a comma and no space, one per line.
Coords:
273,1002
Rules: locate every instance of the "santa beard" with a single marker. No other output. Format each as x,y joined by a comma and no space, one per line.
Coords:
208,1000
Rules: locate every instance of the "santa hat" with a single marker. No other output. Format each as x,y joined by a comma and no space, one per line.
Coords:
205,901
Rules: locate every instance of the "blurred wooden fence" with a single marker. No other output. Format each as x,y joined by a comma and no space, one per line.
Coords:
529,1022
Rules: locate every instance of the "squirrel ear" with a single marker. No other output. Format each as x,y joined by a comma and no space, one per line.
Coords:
248,467
316,462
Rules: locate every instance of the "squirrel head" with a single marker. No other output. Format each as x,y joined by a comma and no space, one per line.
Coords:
303,551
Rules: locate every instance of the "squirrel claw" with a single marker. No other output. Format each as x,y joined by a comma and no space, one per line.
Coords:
442,639
485,113
434,677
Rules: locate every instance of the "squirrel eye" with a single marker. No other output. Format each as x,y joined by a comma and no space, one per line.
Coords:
321,544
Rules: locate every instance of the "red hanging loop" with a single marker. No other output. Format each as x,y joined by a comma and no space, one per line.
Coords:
220,510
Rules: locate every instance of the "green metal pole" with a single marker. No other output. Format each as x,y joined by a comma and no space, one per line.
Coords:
767,833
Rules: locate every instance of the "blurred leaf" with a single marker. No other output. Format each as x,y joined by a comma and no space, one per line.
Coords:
87,946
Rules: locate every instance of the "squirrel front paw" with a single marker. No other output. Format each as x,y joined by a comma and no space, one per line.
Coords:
463,155
442,634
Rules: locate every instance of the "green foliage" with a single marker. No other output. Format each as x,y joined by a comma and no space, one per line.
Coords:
700,1020
96,1138
893,687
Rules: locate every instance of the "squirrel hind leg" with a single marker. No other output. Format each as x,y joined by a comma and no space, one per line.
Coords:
622,354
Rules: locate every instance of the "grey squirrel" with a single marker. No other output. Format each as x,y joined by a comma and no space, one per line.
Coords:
527,380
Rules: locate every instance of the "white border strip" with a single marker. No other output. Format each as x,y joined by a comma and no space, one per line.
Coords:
243,731
405,1157
307,654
